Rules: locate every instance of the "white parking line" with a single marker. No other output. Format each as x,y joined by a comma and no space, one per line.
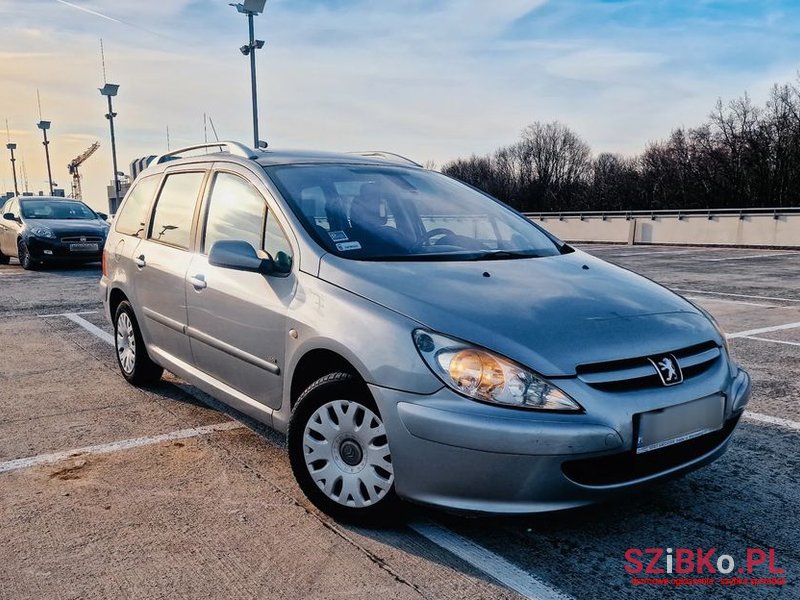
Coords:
786,423
726,301
663,252
54,457
747,257
706,292
760,339
752,332
83,312
488,562
90,327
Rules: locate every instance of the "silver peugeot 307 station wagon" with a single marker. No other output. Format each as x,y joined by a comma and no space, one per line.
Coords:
415,338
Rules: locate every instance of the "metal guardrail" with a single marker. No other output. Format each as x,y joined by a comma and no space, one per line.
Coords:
710,213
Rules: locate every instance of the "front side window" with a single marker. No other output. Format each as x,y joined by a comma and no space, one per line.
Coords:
377,212
56,209
172,219
236,211
276,244
132,217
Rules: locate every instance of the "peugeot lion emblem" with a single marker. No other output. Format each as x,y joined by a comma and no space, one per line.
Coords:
83,238
668,369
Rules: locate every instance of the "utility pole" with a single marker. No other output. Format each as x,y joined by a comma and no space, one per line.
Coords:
44,126
251,8
11,147
109,90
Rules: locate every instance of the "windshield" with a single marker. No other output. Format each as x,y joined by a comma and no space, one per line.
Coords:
55,209
395,213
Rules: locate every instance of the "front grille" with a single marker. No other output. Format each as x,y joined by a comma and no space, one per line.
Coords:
76,239
638,373
629,466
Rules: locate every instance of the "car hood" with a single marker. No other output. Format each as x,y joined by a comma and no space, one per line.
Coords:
550,314
69,226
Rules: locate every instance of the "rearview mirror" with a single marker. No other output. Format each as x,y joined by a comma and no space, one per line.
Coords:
9,217
240,256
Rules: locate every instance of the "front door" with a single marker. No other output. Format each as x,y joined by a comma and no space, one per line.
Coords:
236,319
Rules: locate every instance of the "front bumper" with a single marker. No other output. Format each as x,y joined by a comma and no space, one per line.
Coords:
54,250
450,452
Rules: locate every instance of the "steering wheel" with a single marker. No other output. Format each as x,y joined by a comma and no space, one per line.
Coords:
433,233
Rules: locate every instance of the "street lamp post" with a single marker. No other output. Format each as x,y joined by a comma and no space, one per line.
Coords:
109,90
251,8
44,126
11,147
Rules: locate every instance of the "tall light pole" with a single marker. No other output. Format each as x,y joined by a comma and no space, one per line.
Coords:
44,126
11,147
251,8
109,90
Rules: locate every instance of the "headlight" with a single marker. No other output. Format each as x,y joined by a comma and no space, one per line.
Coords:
43,232
484,376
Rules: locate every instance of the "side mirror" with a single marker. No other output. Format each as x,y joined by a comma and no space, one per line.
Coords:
240,256
9,217
103,216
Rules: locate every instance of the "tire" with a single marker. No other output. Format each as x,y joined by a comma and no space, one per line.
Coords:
346,469
25,258
134,362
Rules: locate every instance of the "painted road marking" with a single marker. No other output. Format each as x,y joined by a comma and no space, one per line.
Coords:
748,256
54,457
488,562
90,327
785,423
752,332
83,312
705,292
760,339
726,301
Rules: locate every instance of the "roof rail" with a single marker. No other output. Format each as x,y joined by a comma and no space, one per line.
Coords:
234,148
386,156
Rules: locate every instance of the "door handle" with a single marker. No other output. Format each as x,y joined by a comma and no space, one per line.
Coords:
140,261
198,282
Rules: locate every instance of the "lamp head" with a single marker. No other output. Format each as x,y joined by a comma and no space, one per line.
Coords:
43,125
109,89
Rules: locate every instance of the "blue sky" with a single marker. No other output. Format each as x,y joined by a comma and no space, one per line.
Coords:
433,79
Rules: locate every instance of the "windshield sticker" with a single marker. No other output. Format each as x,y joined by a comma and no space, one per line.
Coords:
348,246
338,236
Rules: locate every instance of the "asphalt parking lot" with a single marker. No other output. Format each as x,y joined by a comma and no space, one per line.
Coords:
109,491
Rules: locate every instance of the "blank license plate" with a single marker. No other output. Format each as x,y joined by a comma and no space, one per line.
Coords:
675,424
87,247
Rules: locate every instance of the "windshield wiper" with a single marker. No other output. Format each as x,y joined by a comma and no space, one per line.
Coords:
504,254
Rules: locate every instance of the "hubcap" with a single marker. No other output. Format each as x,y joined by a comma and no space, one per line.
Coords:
126,343
347,453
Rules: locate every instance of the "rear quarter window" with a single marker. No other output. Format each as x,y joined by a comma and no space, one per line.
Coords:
132,216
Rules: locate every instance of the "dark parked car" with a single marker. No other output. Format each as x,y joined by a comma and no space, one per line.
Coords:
40,229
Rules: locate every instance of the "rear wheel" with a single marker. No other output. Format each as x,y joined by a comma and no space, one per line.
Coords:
24,256
340,453
132,357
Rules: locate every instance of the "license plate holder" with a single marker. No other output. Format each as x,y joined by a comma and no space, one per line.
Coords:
84,247
675,424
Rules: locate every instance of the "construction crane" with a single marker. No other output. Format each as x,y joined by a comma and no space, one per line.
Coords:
73,169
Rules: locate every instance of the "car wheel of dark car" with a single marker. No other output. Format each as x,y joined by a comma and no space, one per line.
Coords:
132,357
24,256
340,454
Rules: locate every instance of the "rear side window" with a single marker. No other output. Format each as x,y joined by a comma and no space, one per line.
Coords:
172,219
132,217
236,212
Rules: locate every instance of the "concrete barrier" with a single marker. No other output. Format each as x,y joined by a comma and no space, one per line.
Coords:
753,227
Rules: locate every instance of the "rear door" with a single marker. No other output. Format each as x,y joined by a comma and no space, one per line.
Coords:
236,319
161,260
8,230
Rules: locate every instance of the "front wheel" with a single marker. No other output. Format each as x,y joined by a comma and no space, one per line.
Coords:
24,256
340,453
132,357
